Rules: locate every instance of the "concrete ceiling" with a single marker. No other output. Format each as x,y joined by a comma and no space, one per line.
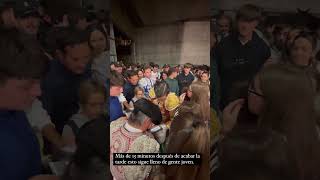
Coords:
156,12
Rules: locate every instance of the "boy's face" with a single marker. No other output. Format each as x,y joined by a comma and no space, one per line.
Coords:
174,74
164,76
17,94
139,94
155,69
147,73
95,105
77,58
116,90
133,80
246,28
186,70
29,25
284,35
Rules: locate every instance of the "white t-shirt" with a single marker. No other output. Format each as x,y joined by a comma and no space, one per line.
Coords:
146,84
37,116
122,98
155,76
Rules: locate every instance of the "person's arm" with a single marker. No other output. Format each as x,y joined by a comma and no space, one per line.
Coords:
39,118
178,90
131,105
53,136
230,115
255,96
68,136
266,56
125,92
125,103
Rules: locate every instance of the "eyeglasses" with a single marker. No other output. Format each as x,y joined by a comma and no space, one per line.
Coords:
252,91
255,93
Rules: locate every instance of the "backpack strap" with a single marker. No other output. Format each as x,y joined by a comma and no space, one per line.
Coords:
74,127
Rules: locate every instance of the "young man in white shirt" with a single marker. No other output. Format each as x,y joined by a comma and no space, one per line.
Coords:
146,82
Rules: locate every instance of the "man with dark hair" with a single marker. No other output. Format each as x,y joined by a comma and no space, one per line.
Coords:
20,72
155,74
172,81
280,35
185,78
27,16
224,26
146,82
116,88
133,136
130,85
240,56
61,84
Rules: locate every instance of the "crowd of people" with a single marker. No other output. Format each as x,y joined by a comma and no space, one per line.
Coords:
53,92
265,88
259,99
159,110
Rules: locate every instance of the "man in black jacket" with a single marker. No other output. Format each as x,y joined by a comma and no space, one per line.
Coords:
240,56
185,78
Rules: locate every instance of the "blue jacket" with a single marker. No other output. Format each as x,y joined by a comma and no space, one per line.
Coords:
128,91
60,93
115,108
20,156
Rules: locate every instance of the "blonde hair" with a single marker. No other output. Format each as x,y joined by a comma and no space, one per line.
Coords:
137,89
200,95
193,137
88,88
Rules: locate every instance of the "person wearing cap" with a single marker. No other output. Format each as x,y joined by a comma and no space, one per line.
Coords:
27,16
172,81
133,136
167,101
185,78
